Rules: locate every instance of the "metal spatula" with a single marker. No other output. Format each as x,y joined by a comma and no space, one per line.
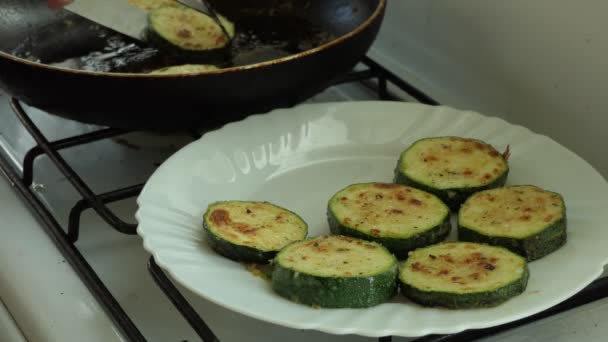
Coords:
126,18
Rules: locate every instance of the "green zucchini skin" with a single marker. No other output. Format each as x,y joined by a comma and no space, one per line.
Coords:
334,292
237,252
181,56
538,239
453,198
467,301
453,195
399,247
240,252
532,248
451,275
323,283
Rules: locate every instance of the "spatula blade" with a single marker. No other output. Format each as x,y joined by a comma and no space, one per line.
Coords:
198,5
118,15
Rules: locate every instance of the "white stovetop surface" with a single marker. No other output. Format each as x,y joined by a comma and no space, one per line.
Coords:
9,331
40,290
47,301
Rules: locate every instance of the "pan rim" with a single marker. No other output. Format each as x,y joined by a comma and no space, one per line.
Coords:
372,19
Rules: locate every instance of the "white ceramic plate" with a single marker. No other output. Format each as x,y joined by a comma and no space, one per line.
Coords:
298,158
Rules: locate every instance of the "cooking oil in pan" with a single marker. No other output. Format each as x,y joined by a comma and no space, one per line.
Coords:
258,39
265,38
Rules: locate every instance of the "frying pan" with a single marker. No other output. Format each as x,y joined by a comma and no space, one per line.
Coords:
135,100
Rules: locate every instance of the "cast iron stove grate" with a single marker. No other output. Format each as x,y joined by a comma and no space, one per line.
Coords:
65,238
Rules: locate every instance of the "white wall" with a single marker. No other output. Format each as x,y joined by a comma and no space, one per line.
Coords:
539,63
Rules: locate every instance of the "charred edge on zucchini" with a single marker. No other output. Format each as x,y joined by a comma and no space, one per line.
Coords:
191,35
250,231
461,275
526,219
335,272
436,165
399,217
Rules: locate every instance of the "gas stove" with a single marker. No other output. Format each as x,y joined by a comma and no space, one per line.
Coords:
72,268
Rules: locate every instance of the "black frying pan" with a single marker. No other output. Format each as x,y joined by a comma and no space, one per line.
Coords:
34,38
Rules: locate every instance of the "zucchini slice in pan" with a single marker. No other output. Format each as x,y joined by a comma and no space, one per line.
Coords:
335,272
526,219
461,275
399,217
149,5
184,69
452,168
187,31
251,231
